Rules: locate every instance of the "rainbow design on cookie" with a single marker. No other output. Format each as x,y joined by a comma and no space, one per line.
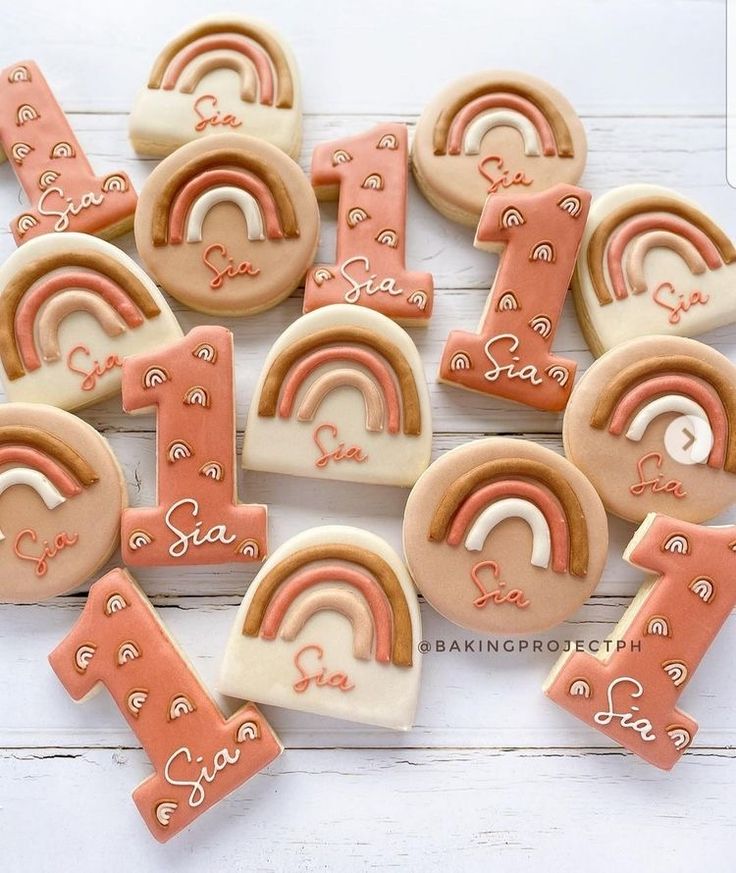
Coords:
659,253
52,289
221,73
333,621
342,396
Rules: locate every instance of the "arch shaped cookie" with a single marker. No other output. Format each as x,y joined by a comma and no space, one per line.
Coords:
651,262
61,496
504,536
661,412
228,225
222,74
493,132
72,308
329,625
342,396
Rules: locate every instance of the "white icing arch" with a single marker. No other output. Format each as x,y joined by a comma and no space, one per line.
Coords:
244,200
513,507
661,406
486,121
45,489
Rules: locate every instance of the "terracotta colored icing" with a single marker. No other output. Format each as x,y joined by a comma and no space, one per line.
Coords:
64,305
654,239
402,645
344,378
500,503
368,174
510,355
652,481
184,199
333,610
61,493
495,101
364,357
194,42
55,174
339,452
375,598
487,494
625,233
196,520
723,420
198,755
631,696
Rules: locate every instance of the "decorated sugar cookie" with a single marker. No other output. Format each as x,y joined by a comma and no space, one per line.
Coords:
630,690
653,425
330,625
61,187
504,536
342,396
510,355
227,225
61,495
197,518
198,755
368,173
651,263
491,133
223,74
72,307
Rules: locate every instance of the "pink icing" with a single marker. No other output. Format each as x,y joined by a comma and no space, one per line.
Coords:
30,457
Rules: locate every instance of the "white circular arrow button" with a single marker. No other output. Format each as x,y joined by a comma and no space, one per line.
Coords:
689,440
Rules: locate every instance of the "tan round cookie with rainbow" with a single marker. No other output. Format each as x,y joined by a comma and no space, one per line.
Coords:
494,132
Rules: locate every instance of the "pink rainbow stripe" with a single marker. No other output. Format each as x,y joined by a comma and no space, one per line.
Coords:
213,43
506,101
655,221
488,494
215,178
30,457
32,301
370,361
688,387
368,587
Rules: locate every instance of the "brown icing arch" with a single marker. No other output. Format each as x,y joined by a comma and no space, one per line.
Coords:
402,644
52,446
412,419
284,82
13,293
641,370
508,468
561,131
602,233
220,158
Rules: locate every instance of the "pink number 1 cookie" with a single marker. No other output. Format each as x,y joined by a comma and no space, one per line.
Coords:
56,176
198,755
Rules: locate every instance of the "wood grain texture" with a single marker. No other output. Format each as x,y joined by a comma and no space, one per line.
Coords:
493,774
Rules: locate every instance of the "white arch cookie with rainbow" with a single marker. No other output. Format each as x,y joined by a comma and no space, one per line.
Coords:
72,308
228,225
492,132
661,413
342,396
61,495
330,625
505,536
651,262
222,74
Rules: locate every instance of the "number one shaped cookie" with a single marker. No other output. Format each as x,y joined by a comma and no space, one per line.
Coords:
198,519
199,756
510,355
63,191
632,695
368,173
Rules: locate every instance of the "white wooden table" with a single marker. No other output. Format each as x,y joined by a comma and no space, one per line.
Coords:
494,776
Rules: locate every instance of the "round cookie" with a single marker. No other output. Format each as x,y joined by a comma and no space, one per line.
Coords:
651,262
223,74
505,536
228,225
60,528
492,132
652,423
